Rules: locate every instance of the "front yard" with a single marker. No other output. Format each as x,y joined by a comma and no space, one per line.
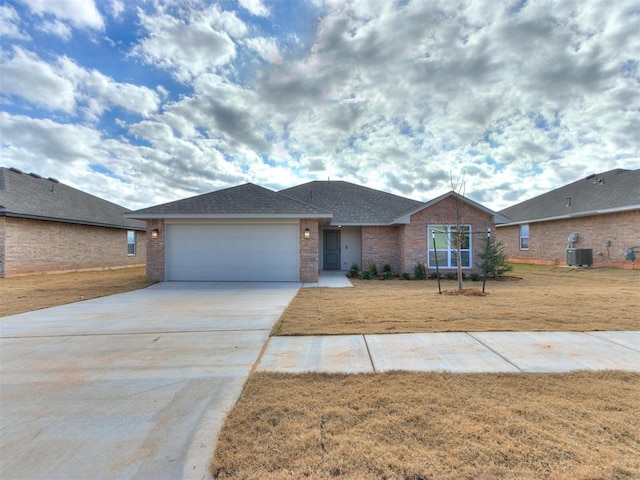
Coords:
532,298
434,426
406,425
33,292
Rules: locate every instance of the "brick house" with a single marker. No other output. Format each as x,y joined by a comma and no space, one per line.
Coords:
599,214
46,226
252,233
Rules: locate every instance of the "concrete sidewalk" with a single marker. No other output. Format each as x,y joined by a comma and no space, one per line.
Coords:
455,352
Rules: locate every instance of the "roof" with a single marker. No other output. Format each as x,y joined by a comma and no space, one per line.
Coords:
247,200
352,204
608,192
31,196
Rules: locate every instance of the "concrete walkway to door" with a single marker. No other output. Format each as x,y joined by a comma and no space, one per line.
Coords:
135,385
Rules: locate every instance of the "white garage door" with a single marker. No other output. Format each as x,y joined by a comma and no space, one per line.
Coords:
232,252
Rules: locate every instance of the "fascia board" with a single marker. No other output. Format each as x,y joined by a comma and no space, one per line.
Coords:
151,216
573,215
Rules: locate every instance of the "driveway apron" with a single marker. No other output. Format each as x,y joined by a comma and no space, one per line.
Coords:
135,385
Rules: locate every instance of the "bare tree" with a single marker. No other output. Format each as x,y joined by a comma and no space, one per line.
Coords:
459,231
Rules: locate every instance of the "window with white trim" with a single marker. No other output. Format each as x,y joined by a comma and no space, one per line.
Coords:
131,242
524,236
445,246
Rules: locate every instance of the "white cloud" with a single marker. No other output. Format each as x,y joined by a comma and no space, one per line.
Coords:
101,92
27,76
65,86
200,43
255,7
267,48
56,28
80,13
10,23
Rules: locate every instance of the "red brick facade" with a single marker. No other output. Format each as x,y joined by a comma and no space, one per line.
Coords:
403,246
548,240
36,246
155,251
309,251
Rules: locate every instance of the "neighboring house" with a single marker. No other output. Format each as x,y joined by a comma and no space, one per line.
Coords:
252,233
46,226
600,213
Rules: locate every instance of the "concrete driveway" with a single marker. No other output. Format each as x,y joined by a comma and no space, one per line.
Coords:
135,385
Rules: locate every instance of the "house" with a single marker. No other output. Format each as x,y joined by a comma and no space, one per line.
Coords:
600,213
47,226
249,232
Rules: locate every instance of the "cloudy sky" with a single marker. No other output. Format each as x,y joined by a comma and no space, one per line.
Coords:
143,102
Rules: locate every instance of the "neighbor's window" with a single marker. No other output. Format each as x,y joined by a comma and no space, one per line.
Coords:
524,237
445,247
131,242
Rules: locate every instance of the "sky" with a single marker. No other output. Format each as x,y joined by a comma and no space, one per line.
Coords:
145,102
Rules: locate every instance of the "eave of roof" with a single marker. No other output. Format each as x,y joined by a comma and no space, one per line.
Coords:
72,221
151,216
573,215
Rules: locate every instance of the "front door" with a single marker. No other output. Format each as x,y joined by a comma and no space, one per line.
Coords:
331,260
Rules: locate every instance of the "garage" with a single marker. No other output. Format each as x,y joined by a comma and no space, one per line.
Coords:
232,252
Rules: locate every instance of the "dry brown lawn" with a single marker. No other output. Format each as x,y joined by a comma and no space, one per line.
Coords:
532,298
434,426
33,292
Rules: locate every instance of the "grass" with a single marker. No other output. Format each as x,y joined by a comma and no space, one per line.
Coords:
434,425
533,298
411,426
33,292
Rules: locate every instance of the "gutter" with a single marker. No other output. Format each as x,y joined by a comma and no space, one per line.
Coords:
72,221
573,215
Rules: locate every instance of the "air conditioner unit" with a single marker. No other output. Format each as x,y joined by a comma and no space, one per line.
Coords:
580,256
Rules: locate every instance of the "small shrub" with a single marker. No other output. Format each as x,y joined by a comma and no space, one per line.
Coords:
474,277
354,271
366,275
494,261
387,275
451,276
373,269
433,275
386,268
406,276
419,271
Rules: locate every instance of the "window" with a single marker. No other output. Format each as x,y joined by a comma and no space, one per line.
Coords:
131,242
524,237
445,247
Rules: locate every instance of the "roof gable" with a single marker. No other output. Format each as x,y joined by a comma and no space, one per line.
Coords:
350,203
243,200
32,196
405,217
613,190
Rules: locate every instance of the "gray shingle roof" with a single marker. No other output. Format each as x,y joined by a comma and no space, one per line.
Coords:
612,190
247,199
351,203
30,196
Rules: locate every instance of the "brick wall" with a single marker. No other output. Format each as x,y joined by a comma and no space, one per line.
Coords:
308,251
548,240
380,245
155,251
414,237
2,239
403,246
36,246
